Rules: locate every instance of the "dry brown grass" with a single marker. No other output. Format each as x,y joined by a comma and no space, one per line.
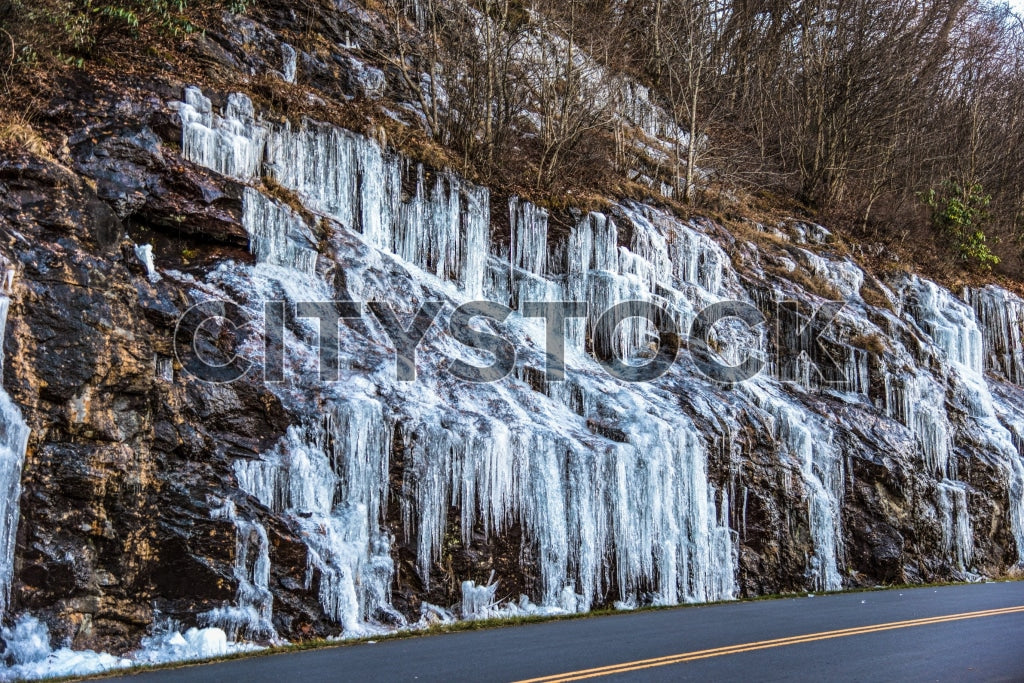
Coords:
805,280
18,134
288,198
872,343
873,296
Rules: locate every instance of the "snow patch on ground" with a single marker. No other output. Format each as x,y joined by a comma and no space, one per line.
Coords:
29,656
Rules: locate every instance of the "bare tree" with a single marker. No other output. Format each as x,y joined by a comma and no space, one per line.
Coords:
686,60
570,93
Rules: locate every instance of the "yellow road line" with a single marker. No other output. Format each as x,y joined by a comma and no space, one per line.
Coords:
762,645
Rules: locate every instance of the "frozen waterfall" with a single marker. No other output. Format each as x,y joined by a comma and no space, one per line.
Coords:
608,484
641,504
13,441
953,328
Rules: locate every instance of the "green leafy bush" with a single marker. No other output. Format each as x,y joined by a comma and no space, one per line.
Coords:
73,30
960,212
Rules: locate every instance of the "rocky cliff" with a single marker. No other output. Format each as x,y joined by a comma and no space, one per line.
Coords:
879,445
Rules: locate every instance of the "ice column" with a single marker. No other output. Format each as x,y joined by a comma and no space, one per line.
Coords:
1001,318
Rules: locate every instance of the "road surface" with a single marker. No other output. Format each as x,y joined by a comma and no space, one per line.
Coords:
953,633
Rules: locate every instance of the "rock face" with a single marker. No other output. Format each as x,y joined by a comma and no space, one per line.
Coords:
304,499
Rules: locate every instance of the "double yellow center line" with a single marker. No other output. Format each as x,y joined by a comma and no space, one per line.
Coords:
641,664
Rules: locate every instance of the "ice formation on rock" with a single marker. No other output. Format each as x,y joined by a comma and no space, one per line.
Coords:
290,61
232,143
144,253
952,327
1000,315
811,445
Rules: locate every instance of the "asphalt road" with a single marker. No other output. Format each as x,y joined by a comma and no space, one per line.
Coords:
926,634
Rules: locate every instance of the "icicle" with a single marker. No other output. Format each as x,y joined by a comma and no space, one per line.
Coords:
1001,318
918,402
634,334
529,225
231,143
278,235
442,229
320,163
565,495
346,177
473,246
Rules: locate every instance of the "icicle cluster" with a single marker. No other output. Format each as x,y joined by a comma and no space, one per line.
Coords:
231,144
278,235
917,401
586,503
442,227
1001,317
330,478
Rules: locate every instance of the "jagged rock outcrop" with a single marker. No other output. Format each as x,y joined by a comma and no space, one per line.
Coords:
311,508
